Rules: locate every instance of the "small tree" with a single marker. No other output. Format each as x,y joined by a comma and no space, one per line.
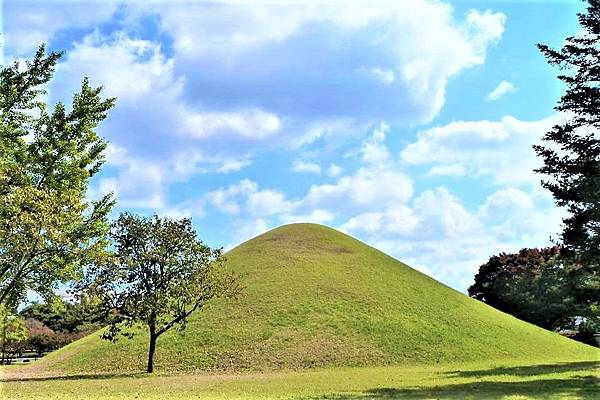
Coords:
41,338
531,285
48,230
159,275
13,334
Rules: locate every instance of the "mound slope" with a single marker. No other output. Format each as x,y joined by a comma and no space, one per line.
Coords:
317,297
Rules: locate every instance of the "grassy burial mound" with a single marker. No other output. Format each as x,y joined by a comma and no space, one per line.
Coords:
317,297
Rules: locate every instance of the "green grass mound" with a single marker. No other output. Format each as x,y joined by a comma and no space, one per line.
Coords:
317,297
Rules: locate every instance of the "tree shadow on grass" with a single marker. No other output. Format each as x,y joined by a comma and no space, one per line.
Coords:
527,370
585,385
74,377
580,387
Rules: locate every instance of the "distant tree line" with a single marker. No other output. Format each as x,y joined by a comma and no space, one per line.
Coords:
43,327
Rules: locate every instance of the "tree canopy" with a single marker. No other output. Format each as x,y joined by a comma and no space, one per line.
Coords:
159,274
48,229
531,285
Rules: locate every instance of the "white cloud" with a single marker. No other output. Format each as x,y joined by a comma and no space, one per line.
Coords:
162,135
385,76
497,149
226,43
485,28
434,232
527,217
317,216
250,123
227,200
233,165
143,79
246,196
374,150
367,187
334,170
501,90
447,170
398,219
246,229
440,236
268,202
29,24
302,166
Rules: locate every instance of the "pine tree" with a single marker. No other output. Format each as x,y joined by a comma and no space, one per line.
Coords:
572,157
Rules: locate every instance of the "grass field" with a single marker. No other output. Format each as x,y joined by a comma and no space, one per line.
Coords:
569,380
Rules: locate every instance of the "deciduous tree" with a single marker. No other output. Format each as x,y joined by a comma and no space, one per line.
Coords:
13,334
159,275
531,285
48,229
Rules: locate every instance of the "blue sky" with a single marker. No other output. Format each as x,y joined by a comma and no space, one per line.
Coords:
408,124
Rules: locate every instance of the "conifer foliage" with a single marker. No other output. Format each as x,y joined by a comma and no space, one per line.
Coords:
572,157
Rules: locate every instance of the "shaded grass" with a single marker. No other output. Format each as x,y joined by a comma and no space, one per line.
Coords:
318,298
566,380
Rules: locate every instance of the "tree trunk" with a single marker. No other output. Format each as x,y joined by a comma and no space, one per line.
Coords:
151,349
4,322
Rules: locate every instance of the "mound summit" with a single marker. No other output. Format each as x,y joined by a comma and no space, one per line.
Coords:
317,297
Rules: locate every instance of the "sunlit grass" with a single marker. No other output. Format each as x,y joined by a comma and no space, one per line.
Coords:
574,380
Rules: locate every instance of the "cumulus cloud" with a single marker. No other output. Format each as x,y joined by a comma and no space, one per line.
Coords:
268,202
398,219
303,166
334,170
227,199
247,196
365,188
500,149
28,24
439,235
374,150
220,48
501,90
316,216
522,216
143,79
164,137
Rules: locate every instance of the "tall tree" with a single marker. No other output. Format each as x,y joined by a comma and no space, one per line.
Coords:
159,275
48,230
572,157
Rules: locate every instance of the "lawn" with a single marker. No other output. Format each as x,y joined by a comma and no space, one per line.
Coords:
562,380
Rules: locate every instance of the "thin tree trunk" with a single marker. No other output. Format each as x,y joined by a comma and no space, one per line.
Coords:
2,361
151,349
